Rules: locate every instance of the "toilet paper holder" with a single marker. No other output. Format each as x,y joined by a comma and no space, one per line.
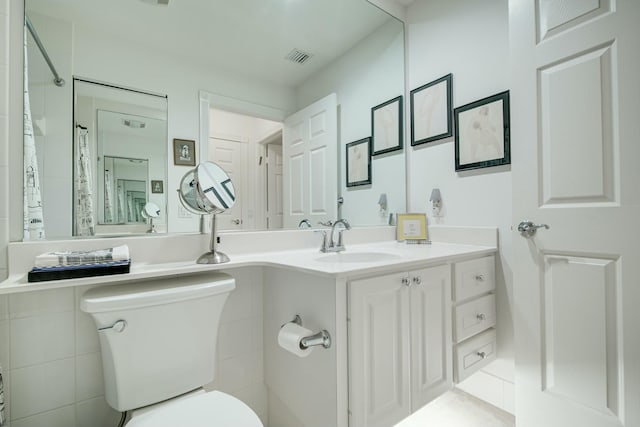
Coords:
322,338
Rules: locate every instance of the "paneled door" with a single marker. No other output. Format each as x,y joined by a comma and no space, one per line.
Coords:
310,173
575,101
231,156
274,186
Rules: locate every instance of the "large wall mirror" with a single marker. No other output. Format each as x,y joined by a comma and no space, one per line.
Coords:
272,58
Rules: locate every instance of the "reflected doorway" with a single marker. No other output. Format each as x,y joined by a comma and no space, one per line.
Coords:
249,149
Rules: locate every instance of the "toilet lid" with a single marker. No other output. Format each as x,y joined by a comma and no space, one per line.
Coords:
213,409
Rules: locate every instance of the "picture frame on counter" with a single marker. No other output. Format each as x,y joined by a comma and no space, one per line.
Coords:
386,126
431,111
412,228
358,162
482,133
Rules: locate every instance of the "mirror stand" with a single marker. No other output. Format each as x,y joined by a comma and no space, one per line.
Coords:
152,228
213,256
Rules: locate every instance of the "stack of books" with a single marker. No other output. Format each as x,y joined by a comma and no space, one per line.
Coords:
71,265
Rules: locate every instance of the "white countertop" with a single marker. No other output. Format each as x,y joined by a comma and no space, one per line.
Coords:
361,260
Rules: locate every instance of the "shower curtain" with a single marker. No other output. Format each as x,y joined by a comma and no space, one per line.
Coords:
108,197
83,209
33,218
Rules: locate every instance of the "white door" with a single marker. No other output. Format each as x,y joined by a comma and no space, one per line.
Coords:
310,174
575,100
275,201
231,156
431,361
379,346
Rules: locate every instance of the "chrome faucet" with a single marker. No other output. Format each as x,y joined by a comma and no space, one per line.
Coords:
328,242
304,223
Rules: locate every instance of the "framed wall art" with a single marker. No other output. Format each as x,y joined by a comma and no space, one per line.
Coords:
431,111
157,186
482,133
359,162
184,152
386,126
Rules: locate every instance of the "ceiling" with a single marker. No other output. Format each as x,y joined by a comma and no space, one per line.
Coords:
245,37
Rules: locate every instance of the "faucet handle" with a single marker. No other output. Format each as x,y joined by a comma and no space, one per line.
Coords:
327,223
323,248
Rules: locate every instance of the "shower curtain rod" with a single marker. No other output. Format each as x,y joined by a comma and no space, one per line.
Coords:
59,81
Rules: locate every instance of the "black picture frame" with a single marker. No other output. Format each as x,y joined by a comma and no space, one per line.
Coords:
184,156
386,115
484,126
157,186
432,102
358,162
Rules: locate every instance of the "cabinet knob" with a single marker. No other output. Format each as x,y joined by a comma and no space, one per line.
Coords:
480,277
482,354
406,281
417,280
481,317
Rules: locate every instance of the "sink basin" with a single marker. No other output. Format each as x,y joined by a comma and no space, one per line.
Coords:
356,257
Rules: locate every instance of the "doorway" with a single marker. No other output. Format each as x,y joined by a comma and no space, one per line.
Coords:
249,149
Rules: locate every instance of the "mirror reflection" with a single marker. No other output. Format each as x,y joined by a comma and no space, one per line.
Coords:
349,48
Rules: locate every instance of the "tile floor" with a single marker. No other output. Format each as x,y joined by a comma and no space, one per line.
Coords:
456,408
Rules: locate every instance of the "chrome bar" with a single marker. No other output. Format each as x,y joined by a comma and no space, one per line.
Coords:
59,81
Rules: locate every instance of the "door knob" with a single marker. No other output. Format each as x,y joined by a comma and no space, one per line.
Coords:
528,228
236,221
406,281
417,280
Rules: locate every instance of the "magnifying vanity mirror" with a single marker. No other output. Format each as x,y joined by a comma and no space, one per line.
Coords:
150,211
136,71
207,189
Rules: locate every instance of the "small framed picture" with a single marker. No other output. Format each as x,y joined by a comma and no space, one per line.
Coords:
359,162
184,152
412,227
482,133
431,111
157,186
386,126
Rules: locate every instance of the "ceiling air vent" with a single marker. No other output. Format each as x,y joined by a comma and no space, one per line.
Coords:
298,56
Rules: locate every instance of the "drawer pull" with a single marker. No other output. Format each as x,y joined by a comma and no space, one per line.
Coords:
406,281
481,317
417,280
482,354
480,277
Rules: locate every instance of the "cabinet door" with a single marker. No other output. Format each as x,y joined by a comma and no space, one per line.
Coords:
431,359
379,351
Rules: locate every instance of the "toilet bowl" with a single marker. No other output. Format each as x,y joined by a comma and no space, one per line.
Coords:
158,341
199,409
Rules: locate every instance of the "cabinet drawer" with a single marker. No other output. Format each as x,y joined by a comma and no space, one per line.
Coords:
475,353
474,316
474,277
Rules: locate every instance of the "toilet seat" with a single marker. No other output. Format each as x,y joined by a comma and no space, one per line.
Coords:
212,409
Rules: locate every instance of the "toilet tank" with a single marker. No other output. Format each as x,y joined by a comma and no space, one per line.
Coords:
168,343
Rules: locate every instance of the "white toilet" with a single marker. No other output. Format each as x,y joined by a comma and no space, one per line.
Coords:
158,341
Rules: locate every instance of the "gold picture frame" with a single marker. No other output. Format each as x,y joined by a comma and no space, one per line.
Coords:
412,227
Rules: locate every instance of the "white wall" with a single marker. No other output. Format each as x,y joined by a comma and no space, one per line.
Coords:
469,39
365,76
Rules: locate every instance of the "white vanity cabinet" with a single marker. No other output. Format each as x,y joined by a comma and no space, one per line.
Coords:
474,315
399,343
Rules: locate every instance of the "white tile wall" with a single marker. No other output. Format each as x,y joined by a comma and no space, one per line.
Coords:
42,388
96,412
61,417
